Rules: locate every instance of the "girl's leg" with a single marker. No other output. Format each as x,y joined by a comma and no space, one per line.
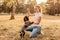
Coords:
35,32
30,28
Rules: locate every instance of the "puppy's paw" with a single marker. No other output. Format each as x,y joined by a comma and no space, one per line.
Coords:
22,34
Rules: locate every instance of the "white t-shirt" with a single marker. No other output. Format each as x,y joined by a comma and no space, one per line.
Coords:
36,17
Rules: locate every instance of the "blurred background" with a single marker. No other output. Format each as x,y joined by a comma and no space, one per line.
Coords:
51,7
17,9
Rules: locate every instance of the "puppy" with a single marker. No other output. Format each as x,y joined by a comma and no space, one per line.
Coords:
27,23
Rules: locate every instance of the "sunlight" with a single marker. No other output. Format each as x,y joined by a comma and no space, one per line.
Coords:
39,1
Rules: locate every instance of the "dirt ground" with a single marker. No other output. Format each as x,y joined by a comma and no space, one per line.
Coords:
9,29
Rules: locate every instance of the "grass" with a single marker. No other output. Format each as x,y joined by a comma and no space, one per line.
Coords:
9,29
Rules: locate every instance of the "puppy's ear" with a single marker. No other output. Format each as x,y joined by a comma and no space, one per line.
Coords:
26,18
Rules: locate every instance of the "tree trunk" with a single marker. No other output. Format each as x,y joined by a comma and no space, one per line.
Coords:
14,8
12,14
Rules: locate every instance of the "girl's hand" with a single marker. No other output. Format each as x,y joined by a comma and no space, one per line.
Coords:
28,11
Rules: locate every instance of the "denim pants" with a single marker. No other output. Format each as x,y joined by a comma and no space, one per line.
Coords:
35,30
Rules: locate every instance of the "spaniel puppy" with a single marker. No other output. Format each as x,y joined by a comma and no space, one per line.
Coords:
26,24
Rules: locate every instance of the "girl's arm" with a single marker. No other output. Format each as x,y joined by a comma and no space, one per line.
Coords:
29,13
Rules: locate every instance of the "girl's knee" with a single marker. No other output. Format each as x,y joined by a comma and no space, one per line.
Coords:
34,33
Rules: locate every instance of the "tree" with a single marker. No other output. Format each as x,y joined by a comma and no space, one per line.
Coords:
53,7
50,7
15,3
33,2
43,7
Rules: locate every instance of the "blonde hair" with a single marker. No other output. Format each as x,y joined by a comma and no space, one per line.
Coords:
38,8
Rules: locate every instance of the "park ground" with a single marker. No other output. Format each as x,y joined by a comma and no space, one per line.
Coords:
9,29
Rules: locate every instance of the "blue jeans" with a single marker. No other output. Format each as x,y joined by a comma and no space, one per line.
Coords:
35,30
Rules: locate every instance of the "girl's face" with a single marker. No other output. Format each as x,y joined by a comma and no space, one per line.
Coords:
37,9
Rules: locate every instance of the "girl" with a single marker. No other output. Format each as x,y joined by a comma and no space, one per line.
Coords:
36,27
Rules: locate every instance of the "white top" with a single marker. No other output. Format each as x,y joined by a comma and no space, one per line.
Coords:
36,17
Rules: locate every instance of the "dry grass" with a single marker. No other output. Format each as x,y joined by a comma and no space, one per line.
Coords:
9,29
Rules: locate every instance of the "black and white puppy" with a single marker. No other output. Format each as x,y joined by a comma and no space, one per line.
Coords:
26,24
